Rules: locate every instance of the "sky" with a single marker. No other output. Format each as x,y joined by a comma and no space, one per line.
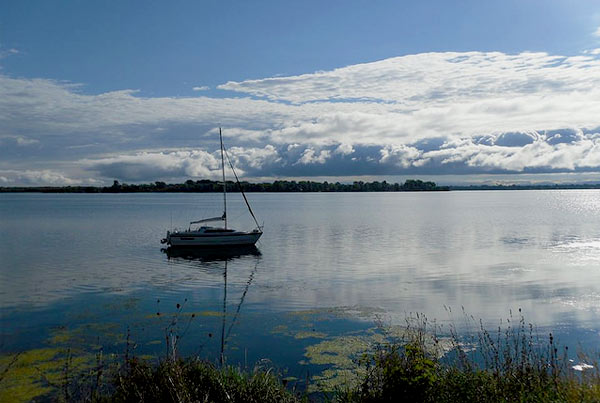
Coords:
451,91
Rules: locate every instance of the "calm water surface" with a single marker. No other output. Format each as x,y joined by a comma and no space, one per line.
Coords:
89,263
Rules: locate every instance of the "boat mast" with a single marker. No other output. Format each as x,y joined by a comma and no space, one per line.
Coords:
241,189
224,183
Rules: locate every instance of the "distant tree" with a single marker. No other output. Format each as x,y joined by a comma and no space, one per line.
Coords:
207,185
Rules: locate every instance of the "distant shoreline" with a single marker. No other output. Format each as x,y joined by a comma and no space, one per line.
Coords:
209,186
568,186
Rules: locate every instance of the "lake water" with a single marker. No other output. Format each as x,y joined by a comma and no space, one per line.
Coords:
84,270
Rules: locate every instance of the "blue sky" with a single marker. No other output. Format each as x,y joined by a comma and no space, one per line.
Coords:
463,91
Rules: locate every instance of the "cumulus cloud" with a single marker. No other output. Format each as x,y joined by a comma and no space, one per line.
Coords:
177,164
401,155
583,152
254,158
43,177
469,112
310,156
344,149
147,166
202,88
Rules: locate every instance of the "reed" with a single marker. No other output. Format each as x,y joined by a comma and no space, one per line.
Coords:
508,365
193,380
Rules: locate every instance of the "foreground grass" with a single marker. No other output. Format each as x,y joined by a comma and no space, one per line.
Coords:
514,370
50,376
195,381
510,365
413,375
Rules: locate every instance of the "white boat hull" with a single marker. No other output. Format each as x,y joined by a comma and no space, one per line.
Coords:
200,239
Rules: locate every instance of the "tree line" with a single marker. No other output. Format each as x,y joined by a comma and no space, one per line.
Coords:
207,186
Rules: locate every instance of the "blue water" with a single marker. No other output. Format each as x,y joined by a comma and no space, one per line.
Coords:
68,261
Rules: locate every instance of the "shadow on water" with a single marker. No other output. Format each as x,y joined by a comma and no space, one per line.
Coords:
224,255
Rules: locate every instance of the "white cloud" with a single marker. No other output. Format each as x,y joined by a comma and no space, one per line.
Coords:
310,156
178,164
581,153
401,155
147,166
50,107
476,111
401,99
254,157
597,32
45,177
202,88
432,79
344,149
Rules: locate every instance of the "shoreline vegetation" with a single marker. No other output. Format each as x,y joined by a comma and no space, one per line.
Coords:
209,186
513,363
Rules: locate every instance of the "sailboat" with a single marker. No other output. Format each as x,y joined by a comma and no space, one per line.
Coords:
207,236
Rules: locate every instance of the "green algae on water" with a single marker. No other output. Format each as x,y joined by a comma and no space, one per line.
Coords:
309,335
35,373
340,354
280,329
339,312
87,336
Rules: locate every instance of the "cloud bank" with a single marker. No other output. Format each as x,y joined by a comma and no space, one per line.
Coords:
431,113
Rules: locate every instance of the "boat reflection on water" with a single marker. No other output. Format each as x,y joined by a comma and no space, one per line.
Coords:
211,254
225,255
